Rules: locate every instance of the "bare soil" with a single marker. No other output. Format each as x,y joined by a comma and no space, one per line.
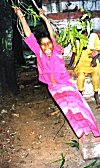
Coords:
33,131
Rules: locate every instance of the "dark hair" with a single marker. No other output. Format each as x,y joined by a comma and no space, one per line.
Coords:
42,35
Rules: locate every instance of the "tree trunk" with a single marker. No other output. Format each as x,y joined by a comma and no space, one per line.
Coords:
8,82
17,45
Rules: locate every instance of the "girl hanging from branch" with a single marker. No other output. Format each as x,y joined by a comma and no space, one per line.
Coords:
52,71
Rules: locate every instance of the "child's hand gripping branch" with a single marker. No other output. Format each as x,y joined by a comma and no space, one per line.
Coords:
26,28
21,16
49,27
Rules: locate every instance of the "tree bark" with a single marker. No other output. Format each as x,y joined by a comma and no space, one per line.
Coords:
17,45
8,82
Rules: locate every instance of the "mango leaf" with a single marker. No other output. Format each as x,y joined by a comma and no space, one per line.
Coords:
34,20
89,14
64,35
91,165
73,143
84,16
32,14
77,40
98,166
88,28
62,161
4,43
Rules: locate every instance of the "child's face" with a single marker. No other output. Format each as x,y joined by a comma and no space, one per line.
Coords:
46,46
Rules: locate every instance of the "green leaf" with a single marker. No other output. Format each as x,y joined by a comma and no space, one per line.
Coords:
98,166
91,165
3,41
89,14
84,16
71,35
32,14
64,35
6,44
62,161
74,143
34,20
88,28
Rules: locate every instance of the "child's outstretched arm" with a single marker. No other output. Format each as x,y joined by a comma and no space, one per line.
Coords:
26,28
49,27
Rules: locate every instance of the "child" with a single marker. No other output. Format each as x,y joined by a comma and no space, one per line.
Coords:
89,66
52,71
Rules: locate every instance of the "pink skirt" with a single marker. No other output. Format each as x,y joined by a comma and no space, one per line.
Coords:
75,109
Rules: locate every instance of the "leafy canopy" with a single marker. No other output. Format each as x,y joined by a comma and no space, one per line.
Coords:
74,35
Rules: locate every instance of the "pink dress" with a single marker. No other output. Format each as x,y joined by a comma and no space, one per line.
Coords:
66,95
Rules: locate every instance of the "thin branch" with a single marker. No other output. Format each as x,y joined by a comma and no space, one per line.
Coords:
20,29
35,4
59,130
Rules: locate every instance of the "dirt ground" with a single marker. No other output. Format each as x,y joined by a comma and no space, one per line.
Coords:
33,131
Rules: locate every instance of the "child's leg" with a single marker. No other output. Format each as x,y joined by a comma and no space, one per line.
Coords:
80,81
95,82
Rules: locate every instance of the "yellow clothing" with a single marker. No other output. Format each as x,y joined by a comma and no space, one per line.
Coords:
83,67
84,63
81,80
94,42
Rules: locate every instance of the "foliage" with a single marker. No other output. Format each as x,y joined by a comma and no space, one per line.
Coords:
74,144
91,165
85,23
4,43
74,35
28,11
31,14
62,161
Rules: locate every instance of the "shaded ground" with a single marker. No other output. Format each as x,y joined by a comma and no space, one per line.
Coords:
33,131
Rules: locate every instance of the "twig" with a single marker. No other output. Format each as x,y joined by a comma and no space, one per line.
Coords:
20,29
59,130
35,4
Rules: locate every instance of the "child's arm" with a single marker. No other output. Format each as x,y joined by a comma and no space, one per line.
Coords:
94,53
93,62
49,27
30,39
26,28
